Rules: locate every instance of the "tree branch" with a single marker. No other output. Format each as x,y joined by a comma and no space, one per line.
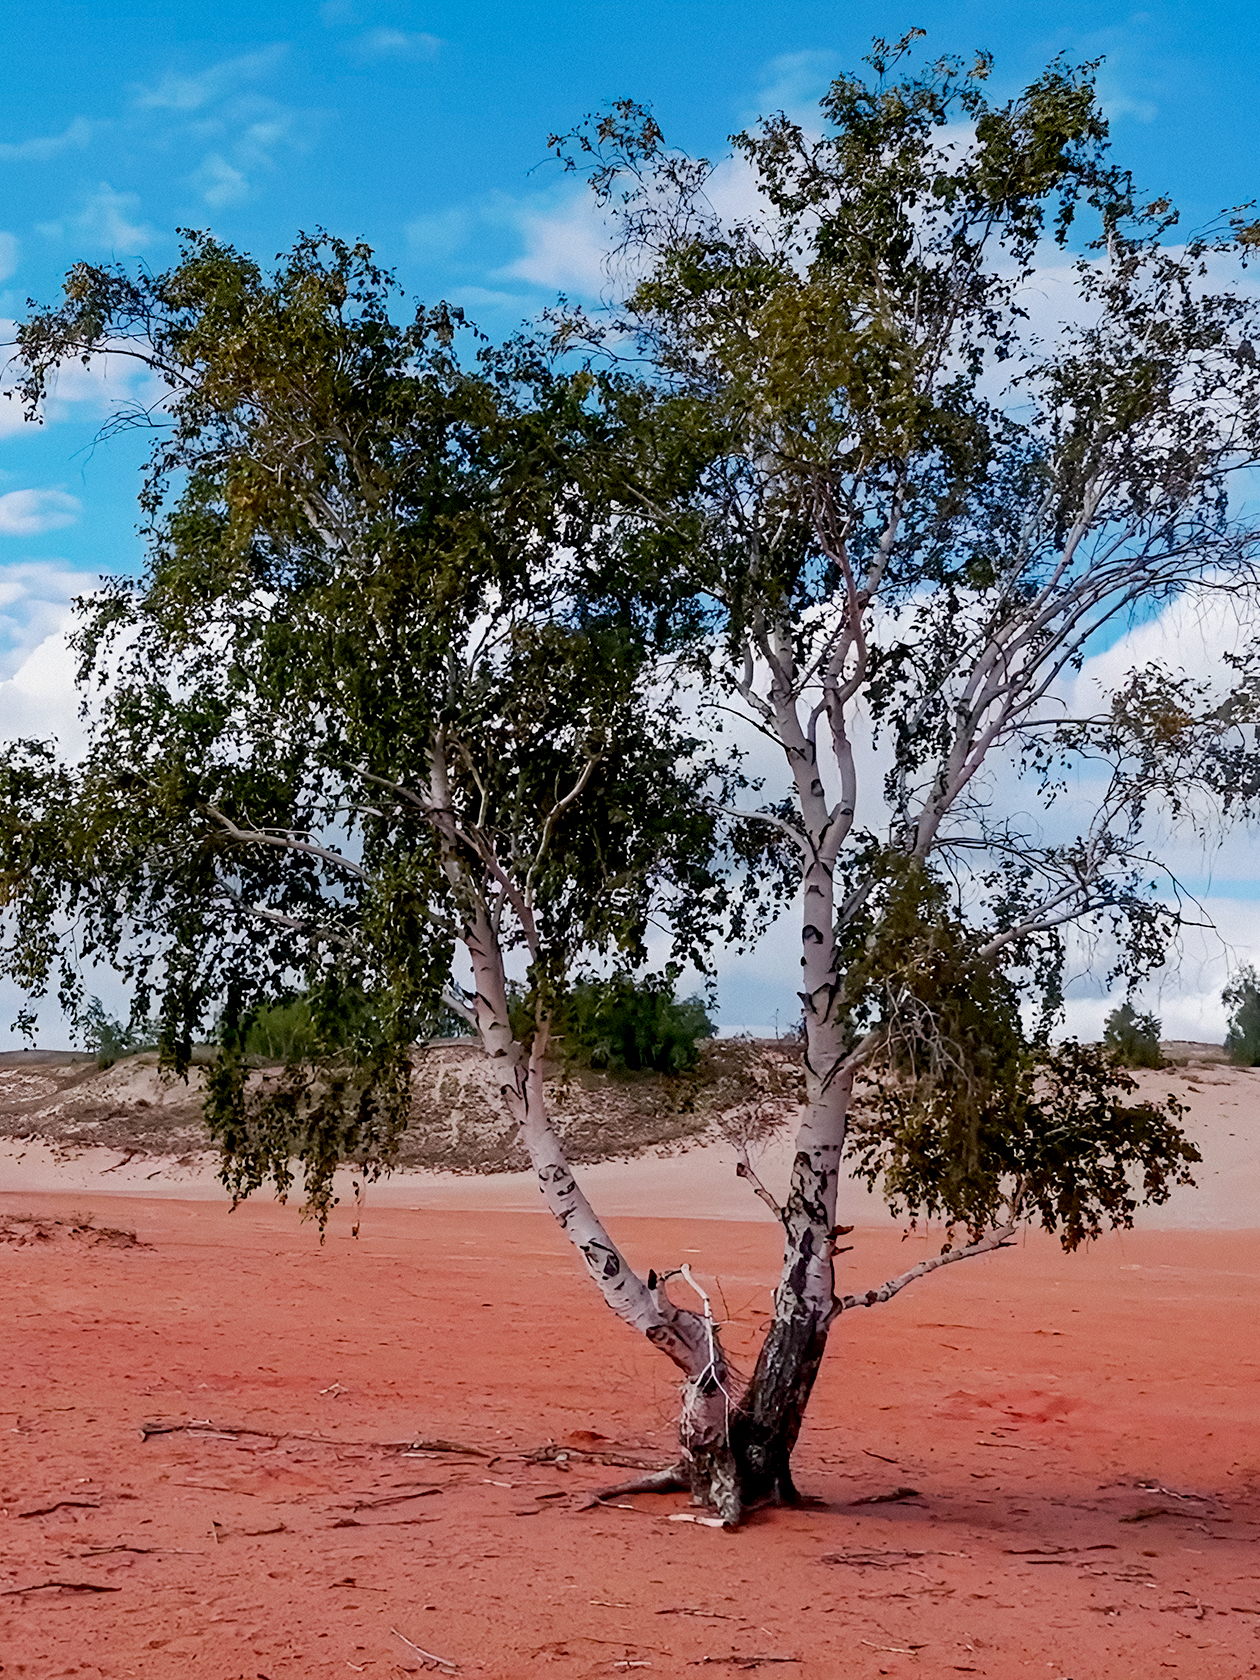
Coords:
1000,1238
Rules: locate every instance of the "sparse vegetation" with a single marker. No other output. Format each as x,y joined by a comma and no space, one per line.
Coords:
108,1038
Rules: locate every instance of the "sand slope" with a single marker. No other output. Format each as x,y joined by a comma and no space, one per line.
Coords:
1223,1119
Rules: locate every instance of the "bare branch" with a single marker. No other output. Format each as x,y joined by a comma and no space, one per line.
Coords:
1001,1238
286,841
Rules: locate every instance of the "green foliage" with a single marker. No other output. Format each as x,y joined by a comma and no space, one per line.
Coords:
629,1025
1242,998
1133,1039
396,676
1056,1140
111,1038
965,1118
285,1032
282,1032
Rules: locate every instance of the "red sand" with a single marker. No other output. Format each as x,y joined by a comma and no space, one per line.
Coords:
1025,1396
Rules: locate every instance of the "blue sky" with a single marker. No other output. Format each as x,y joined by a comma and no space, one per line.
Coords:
422,129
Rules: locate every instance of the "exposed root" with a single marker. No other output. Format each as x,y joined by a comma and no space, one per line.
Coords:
674,1479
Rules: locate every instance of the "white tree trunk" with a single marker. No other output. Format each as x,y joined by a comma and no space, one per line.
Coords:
689,1339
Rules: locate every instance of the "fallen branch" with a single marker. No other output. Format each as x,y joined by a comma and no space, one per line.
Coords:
141,1551
61,1505
550,1453
394,1499
752,1661
63,1586
889,1498
987,1245
882,1560
205,1427
396,1522
441,1662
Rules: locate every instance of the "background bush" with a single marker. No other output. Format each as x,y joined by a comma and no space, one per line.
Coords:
630,1026
1133,1039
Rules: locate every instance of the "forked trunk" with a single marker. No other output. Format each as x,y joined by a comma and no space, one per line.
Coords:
690,1339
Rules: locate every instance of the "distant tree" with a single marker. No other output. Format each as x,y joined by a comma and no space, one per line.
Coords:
1242,998
109,1038
1133,1039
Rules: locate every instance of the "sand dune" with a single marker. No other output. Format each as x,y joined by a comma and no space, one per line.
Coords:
700,1182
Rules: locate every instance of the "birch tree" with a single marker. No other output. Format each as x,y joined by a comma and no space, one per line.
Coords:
421,659
390,705
922,516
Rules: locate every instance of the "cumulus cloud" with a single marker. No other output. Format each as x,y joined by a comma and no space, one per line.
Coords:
566,249
40,701
394,43
35,603
175,92
38,697
27,513
43,148
794,83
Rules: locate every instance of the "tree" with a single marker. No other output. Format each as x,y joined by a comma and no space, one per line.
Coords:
1133,1039
1242,998
920,518
408,673
396,681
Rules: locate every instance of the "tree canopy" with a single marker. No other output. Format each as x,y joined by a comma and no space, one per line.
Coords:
428,670
396,676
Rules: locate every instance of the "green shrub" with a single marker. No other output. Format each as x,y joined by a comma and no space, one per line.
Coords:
1242,996
282,1032
285,1032
629,1025
1133,1039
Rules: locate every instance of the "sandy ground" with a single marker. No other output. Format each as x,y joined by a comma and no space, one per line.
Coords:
1079,1434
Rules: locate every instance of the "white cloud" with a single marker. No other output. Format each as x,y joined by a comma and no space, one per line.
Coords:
794,84
105,221
35,597
394,43
219,182
9,249
27,513
192,93
441,234
42,148
566,249
40,700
